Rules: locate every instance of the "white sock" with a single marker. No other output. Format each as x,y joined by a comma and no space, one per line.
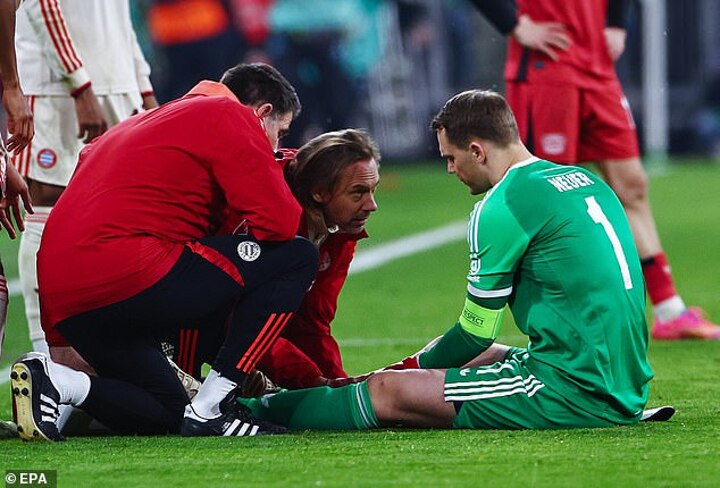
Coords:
27,268
66,411
73,385
669,309
206,404
4,298
39,345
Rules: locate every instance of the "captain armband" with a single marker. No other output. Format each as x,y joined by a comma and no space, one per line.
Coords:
480,321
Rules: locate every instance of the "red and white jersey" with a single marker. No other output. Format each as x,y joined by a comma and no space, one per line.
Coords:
64,44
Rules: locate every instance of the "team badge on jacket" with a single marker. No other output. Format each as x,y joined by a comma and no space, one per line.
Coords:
248,250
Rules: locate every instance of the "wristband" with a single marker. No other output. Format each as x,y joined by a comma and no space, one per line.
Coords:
79,90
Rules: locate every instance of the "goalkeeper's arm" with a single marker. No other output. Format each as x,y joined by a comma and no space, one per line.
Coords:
475,331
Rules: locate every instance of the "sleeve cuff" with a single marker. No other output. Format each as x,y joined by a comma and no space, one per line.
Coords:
78,79
76,92
54,339
145,85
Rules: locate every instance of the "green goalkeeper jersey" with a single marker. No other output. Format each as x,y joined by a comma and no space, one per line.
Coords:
554,243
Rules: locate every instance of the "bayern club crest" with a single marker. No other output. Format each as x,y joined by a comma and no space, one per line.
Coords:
46,158
248,250
554,143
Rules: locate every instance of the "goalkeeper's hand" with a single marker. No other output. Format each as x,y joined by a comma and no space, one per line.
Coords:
338,382
407,363
410,362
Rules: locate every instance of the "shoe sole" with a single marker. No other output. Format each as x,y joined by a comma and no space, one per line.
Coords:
660,414
21,384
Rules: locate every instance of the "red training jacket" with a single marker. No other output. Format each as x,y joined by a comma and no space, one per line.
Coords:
150,185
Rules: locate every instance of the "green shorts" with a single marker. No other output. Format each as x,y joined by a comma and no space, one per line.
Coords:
505,395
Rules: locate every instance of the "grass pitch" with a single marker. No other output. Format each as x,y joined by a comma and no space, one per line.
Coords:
389,312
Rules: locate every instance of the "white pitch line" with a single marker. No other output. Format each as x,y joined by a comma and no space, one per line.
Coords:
4,375
409,341
382,254
383,341
14,287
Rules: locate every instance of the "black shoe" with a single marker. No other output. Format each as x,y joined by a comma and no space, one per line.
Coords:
234,420
35,399
659,414
8,430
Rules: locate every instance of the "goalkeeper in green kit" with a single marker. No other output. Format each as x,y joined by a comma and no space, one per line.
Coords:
553,243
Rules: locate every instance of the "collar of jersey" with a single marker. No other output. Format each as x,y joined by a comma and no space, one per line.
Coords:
524,162
519,164
213,88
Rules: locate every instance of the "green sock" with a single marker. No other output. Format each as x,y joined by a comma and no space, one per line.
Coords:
322,408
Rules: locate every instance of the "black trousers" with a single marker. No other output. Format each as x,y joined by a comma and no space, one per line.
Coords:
259,285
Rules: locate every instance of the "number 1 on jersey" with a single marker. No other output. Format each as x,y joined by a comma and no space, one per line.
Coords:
599,217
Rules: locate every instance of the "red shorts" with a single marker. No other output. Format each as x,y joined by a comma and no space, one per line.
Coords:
570,125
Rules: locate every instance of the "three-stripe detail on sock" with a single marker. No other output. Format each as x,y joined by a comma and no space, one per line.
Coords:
367,417
269,332
483,389
238,428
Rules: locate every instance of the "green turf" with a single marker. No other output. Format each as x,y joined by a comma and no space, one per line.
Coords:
391,311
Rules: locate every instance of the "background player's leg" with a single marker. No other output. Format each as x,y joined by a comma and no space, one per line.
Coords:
27,268
630,182
48,165
673,320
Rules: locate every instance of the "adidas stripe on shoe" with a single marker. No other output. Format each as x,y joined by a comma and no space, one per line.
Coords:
234,421
35,399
